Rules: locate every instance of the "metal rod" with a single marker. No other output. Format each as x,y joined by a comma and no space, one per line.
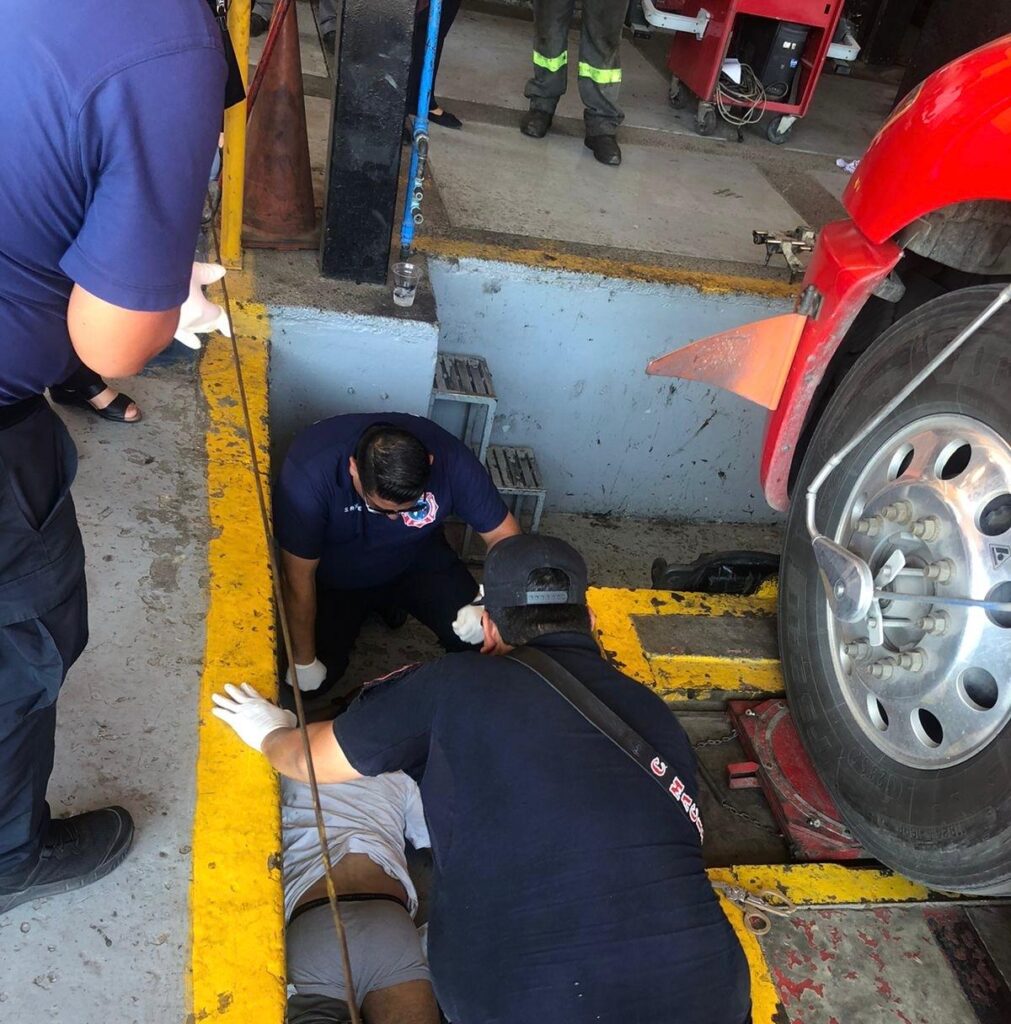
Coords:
419,144
254,461
878,418
1001,607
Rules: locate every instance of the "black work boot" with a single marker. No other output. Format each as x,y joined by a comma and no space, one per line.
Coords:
76,852
258,24
605,149
536,123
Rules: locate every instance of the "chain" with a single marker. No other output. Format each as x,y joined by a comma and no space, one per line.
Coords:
716,742
724,802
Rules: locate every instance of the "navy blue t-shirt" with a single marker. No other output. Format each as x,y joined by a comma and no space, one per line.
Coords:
568,887
109,115
319,514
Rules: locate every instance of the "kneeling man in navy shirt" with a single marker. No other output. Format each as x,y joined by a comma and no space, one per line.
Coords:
567,886
358,513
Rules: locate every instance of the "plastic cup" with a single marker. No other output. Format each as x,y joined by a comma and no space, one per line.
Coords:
406,277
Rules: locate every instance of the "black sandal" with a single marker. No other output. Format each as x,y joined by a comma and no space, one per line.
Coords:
445,119
115,411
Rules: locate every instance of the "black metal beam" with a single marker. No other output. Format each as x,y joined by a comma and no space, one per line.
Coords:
373,60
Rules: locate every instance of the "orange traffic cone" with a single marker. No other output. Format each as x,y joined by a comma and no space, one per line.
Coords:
280,212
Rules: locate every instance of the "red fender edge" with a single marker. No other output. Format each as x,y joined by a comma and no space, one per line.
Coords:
845,269
780,361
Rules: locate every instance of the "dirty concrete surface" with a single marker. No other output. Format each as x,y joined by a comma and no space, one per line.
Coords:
691,191
127,719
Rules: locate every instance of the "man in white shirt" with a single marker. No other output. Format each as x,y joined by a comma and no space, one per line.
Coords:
366,821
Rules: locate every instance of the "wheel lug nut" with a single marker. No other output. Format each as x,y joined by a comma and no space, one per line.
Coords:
857,649
928,528
898,512
912,661
871,525
941,571
936,624
883,669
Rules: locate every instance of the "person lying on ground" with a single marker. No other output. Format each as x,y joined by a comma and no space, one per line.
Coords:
568,887
366,822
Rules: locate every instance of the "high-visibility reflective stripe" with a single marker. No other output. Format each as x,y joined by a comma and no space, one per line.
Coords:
552,63
602,76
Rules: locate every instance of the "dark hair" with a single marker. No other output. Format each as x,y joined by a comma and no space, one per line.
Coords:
392,463
518,626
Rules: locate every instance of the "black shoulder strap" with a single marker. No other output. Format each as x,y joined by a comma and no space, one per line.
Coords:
601,717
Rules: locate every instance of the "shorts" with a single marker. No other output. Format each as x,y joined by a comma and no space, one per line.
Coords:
383,943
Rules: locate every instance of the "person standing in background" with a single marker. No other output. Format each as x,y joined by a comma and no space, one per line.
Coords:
259,20
599,71
450,9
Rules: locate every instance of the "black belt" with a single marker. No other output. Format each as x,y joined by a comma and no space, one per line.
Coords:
347,897
15,412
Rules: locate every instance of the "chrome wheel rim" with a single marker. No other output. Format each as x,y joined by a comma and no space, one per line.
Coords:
930,686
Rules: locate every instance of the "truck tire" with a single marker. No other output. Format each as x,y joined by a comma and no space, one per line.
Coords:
912,736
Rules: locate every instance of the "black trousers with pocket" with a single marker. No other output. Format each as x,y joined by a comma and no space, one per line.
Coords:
450,9
43,617
433,590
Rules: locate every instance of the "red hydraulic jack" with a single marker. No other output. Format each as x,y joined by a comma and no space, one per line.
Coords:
780,767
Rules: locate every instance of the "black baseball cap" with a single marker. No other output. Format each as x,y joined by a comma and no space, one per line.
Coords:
509,565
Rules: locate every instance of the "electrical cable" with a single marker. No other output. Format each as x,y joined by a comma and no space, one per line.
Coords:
254,463
749,94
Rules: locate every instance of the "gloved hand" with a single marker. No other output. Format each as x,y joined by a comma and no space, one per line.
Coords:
310,677
198,314
467,624
253,717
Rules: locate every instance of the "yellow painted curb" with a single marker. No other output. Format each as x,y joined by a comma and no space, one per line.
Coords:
236,970
803,885
678,677
555,257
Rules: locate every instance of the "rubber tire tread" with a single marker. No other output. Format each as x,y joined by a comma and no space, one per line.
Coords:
949,829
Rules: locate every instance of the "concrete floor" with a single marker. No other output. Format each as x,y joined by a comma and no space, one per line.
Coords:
127,720
678,198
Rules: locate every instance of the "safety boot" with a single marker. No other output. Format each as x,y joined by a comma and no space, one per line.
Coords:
536,123
75,852
605,148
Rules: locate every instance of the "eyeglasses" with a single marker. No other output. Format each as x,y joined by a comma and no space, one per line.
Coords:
419,506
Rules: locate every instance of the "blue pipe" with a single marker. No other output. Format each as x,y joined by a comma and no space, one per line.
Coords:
419,146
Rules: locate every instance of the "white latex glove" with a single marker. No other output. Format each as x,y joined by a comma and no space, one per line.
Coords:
198,314
310,677
253,717
467,624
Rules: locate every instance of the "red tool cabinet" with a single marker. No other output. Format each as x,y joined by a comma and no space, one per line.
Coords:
696,63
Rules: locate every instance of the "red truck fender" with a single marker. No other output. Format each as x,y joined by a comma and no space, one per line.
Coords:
948,142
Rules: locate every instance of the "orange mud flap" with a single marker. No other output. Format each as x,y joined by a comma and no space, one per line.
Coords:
751,361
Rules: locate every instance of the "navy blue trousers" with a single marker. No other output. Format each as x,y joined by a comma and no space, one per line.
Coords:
43,617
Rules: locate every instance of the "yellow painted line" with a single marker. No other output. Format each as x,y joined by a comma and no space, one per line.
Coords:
236,971
678,677
233,168
554,256
803,885
824,884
